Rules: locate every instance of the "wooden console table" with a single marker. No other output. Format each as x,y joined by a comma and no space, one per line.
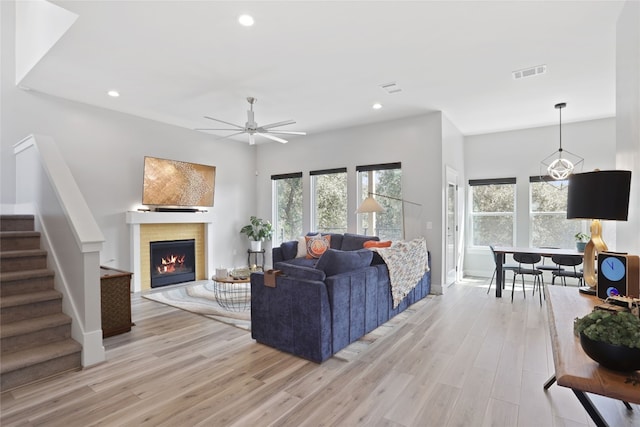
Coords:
574,369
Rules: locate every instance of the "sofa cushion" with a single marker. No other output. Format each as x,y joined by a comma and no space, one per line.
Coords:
352,242
334,261
300,271
373,244
336,238
317,245
302,247
289,249
305,262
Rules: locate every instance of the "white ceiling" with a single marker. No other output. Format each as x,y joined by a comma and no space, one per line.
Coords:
321,63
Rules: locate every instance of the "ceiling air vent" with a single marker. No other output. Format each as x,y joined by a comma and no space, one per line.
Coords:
529,72
391,88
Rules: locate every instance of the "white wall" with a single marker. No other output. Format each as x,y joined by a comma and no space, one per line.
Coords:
104,151
414,141
628,118
518,154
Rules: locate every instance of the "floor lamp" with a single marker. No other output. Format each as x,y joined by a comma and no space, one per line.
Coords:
371,205
598,195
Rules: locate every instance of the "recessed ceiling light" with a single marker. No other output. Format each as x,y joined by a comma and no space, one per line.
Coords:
246,20
376,106
113,93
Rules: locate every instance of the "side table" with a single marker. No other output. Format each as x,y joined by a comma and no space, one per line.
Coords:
232,294
255,255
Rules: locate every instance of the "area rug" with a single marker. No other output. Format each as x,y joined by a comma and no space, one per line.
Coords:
200,297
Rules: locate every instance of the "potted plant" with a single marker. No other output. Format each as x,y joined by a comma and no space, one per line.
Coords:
581,241
257,231
611,339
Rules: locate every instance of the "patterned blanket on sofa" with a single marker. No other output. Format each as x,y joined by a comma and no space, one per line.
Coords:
407,262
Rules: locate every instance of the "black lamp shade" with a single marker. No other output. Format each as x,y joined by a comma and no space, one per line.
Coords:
599,195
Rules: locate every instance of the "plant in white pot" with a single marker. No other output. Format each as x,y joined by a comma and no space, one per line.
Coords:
257,231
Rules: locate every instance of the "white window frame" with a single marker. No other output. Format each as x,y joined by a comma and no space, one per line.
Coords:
472,215
313,186
364,192
274,204
562,186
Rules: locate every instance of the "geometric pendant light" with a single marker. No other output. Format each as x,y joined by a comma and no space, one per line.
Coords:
561,163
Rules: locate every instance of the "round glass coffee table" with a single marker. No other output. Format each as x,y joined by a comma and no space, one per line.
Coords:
232,294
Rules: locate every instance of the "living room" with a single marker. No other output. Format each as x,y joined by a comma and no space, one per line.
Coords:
104,149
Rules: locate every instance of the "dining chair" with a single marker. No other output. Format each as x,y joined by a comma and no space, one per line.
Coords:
527,266
567,261
548,267
505,267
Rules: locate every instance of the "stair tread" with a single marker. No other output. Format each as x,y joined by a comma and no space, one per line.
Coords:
6,217
33,325
25,274
19,234
22,253
29,297
28,357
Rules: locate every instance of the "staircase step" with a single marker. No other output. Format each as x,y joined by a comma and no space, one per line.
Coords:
17,336
33,364
30,305
16,223
31,259
17,282
19,240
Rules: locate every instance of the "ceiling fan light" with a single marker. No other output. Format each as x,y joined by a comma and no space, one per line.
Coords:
376,106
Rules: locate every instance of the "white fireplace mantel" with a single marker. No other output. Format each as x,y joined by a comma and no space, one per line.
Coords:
136,218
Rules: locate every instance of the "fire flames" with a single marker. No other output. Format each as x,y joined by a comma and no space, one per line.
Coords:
171,263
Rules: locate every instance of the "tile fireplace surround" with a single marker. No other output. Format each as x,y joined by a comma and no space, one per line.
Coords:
171,226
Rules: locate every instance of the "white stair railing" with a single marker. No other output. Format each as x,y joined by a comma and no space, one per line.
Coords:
70,234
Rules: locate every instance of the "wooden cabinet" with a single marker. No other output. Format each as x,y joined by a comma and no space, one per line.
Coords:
115,292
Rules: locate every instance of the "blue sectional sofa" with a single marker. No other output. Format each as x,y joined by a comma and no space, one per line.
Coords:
318,307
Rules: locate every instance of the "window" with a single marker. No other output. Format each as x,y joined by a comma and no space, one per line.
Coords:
492,211
548,223
287,207
380,181
329,209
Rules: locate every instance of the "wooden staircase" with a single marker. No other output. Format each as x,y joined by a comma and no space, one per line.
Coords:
35,334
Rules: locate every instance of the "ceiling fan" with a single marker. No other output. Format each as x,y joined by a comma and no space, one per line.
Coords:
252,128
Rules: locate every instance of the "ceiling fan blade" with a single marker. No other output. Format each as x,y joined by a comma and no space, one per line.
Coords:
274,138
273,125
222,121
235,130
287,132
229,136
252,139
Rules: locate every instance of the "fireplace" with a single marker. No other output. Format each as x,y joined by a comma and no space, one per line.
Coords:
172,261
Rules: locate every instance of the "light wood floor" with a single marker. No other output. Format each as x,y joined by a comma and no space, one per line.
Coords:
462,359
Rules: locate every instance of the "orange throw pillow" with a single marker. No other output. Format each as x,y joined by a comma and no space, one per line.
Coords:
375,244
317,245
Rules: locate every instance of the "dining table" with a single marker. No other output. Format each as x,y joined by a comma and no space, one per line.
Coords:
501,251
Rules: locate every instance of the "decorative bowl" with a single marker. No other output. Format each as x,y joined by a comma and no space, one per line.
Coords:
615,357
241,273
